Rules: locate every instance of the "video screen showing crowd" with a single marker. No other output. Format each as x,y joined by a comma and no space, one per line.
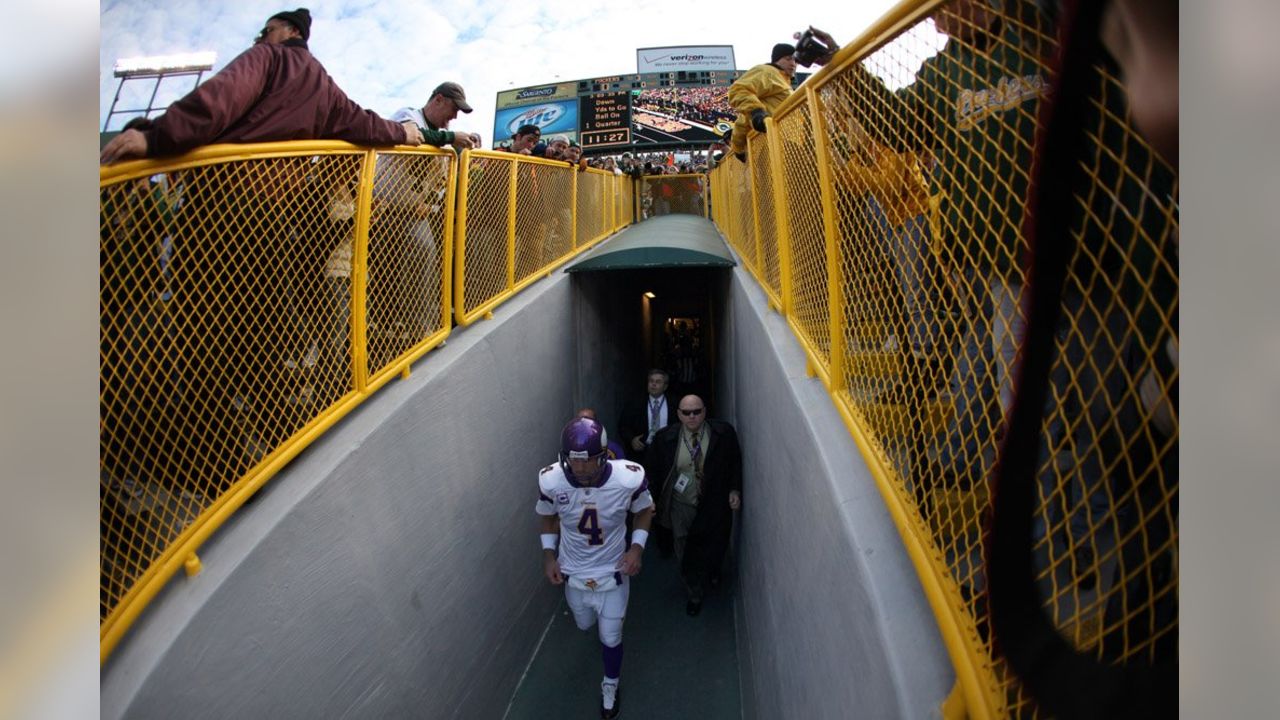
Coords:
689,114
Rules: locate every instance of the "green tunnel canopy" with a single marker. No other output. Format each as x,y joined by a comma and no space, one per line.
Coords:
661,242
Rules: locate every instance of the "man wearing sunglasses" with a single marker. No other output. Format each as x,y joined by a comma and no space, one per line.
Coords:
695,467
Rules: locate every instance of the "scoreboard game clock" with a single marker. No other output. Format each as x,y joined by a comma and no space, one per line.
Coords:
605,119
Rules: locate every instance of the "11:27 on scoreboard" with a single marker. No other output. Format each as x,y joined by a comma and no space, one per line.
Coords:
591,138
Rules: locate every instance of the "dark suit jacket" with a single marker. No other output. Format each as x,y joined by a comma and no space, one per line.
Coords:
721,473
634,420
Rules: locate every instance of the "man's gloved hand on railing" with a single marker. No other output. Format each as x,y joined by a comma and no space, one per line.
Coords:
757,120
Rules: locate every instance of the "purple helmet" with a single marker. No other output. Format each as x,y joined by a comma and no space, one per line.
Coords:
584,439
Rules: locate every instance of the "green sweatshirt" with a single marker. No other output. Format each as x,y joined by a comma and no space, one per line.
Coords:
974,106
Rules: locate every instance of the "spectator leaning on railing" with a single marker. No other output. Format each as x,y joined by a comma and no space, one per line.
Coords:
433,118
237,355
555,149
275,90
523,141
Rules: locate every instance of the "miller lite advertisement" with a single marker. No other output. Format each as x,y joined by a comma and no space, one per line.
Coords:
555,118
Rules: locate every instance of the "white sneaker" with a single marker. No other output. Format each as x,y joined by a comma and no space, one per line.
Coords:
610,702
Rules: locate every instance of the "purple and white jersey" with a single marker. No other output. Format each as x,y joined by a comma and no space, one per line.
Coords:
593,520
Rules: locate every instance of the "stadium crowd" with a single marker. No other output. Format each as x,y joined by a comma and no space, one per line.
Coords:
705,105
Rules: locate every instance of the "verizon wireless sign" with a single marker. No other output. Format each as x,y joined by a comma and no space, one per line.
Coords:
687,57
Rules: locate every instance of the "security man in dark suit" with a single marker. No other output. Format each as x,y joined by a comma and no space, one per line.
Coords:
640,420
695,475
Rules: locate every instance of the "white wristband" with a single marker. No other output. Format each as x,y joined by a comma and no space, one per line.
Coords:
639,537
549,541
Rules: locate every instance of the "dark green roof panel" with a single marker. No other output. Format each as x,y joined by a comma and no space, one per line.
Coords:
661,242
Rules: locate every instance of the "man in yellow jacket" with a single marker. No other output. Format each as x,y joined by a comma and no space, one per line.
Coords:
764,88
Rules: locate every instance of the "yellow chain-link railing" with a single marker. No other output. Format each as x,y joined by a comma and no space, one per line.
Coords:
252,295
673,194
624,200
519,218
882,212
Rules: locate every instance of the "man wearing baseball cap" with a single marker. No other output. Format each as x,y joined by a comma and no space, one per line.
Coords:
433,118
524,139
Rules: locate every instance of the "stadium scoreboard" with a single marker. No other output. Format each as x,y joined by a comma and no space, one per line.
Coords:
619,111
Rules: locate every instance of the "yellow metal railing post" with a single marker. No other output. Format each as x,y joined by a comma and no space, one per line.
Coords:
755,215
360,274
606,205
450,211
573,211
831,232
781,214
511,226
724,181
460,237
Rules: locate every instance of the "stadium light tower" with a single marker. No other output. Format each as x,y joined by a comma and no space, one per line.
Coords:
157,68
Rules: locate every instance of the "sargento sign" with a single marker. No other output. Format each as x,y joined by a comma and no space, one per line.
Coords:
537,94
685,57
542,92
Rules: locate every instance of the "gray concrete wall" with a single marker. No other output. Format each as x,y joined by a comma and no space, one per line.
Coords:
393,569
831,619
605,374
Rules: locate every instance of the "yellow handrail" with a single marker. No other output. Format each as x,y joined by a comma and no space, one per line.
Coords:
259,293
907,309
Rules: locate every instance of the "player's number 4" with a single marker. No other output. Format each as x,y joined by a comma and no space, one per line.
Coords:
589,525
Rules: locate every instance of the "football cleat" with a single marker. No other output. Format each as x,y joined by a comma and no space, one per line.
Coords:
610,700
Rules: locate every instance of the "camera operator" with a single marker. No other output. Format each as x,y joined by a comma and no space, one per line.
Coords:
763,88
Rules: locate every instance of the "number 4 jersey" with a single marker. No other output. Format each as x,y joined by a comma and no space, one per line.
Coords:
593,520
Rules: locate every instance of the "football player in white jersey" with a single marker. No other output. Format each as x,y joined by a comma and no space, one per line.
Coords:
590,496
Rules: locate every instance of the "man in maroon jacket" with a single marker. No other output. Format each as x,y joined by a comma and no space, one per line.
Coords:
275,90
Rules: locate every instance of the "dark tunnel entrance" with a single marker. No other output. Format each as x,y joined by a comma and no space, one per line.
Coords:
661,318
653,297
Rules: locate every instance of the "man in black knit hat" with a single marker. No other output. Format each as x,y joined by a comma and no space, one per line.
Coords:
762,90
275,90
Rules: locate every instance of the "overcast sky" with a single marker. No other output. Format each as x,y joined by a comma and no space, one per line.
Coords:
387,55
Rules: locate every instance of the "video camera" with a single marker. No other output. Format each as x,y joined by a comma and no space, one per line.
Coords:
809,49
